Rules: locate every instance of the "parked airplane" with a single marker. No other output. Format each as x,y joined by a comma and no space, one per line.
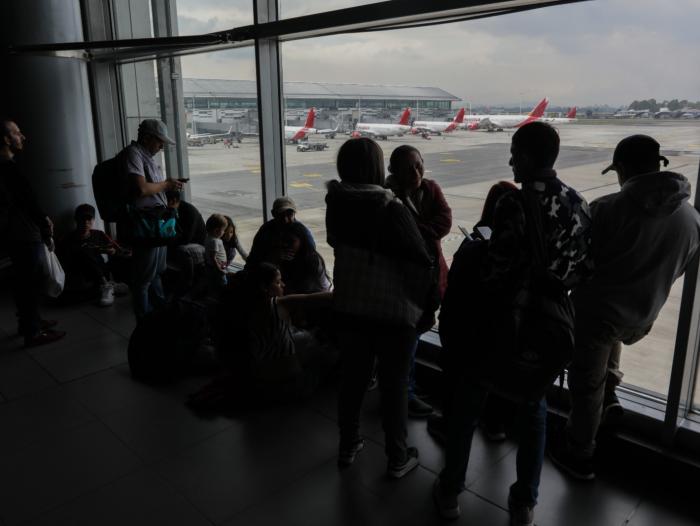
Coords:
293,134
570,117
199,139
383,131
439,127
500,122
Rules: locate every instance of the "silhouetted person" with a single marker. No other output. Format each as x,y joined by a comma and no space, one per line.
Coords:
643,238
27,230
506,261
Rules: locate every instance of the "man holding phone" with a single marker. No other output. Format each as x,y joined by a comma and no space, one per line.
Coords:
148,186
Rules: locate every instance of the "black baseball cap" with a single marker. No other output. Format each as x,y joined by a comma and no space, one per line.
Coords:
636,150
85,211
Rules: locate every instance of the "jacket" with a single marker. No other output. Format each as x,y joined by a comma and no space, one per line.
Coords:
434,218
21,218
382,266
643,238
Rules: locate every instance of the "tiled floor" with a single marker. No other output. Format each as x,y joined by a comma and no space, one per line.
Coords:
81,443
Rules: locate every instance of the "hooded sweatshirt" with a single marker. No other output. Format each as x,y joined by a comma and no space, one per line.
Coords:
643,238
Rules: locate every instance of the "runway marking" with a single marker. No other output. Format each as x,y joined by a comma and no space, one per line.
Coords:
301,185
449,160
312,175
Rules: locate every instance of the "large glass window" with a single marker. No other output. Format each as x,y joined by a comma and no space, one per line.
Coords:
292,8
498,63
195,17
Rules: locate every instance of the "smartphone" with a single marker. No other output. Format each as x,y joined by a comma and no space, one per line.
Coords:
184,179
484,232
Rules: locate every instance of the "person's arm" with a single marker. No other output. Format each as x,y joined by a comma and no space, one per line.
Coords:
437,223
241,250
296,304
140,186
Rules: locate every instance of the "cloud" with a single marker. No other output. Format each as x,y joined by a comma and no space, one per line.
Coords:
587,53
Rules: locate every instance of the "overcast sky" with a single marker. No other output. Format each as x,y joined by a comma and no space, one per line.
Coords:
596,52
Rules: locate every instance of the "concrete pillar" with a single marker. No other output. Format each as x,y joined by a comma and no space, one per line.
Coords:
49,98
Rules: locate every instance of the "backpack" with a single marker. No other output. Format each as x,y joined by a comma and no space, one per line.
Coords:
110,188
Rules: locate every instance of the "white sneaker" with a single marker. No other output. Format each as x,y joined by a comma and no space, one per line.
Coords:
120,289
106,295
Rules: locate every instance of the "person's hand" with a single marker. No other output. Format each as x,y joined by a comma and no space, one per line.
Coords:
50,244
49,224
173,185
110,251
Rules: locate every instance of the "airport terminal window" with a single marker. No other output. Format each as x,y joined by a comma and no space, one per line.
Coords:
292,8
223,151
491,74
196,17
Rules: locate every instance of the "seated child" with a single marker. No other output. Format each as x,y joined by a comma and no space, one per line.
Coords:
232,244
215,253
83,254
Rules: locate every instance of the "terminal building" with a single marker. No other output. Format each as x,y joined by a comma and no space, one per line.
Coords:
86,442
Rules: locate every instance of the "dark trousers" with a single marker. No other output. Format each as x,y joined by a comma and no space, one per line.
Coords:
90,265
360,342
27,284
465,404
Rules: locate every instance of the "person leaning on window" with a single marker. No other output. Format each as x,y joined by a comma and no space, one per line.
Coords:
376,243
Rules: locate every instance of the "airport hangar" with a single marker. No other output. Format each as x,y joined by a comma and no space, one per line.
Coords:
220,101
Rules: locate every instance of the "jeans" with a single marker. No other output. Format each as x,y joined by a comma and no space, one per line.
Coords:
412,372
146,287
360,341
466,404
593,373
27,283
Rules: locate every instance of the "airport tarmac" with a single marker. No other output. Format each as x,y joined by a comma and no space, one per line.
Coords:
465,164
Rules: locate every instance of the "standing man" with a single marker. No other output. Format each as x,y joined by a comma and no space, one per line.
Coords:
643,238
25,229
148,186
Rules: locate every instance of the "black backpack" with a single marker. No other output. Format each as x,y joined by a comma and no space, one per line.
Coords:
110,186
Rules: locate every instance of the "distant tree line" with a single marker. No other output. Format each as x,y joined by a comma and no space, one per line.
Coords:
673,105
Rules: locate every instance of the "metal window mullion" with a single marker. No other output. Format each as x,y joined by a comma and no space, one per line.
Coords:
270,98
685,354
170,92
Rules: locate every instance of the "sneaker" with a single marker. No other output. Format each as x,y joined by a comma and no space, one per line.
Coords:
120,289
346,455
417,408
520,514
106,295
437,428
581,468
43,338
612,410
446,503
396,471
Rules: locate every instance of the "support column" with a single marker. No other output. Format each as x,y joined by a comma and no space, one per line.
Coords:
49,98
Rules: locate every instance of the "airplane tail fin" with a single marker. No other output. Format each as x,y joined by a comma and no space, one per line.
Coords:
310,118
459,118
538,110
572,113
405,116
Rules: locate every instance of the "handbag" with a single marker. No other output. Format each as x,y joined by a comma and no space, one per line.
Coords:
54,275
532,336
152,227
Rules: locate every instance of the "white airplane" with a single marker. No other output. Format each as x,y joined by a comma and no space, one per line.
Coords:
383,131
294,134
199,139
570,117
500,122
439,127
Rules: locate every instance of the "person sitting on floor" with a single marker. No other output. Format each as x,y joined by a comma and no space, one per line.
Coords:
187,251
303,268
232,244
84,253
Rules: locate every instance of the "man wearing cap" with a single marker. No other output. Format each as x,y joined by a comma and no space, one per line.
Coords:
148,186
267,239
642,240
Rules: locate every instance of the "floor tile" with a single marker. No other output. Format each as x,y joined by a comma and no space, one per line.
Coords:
228,472
158,427
649,514
21,375
118,317
325,402
33,418
60,468
562,500
139,499
70,361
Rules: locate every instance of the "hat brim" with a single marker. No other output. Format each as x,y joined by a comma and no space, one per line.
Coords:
165,139
609,168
